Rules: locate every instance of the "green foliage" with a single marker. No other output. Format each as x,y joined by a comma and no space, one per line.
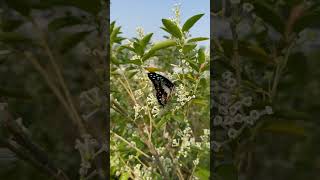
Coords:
190,22
178,131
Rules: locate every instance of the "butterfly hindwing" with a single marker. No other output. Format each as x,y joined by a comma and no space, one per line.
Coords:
163,87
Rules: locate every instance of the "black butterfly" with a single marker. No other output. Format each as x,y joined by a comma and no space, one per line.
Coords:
164,87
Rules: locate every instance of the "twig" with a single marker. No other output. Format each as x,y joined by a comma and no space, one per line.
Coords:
60,78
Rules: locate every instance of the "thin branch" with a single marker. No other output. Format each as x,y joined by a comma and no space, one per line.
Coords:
60,78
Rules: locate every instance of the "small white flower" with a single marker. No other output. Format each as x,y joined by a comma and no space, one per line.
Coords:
231,82
247,7
223,110
238,118
215,146
233,110
196,162
226,75
254,115
268,110
232,133
248,120
217,120
247,101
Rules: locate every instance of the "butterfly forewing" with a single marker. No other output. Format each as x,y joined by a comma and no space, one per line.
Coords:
163,87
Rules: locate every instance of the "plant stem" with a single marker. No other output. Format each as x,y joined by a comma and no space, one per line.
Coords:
131,145
61,80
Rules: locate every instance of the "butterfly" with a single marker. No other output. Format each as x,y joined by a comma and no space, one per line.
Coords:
163,86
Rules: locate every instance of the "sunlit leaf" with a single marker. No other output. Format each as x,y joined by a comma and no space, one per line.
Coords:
158,46
197,39
202,174
172,28
188,47
201,56
191,21
145,40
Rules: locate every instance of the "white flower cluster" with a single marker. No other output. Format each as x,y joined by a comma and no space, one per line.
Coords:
187,141
183,96
142,172
177,13
205,138
140,32
232,107
87,150
167,163
90,102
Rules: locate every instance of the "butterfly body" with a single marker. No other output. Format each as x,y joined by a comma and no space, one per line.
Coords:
163,86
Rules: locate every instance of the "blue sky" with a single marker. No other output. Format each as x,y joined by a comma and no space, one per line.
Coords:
130,14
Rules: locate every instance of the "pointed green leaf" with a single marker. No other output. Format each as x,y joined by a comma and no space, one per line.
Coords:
201,56
145,40
172,28
197,39
124,176
114,34
158,46
188,47
193,65
190,22
202,174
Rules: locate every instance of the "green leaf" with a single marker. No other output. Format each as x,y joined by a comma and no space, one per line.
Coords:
112,24
193,65
201,56
202,174
227,172
172,28
135,61
269,15
126,47
145,40
137,48
158,46
190,22
162,122
62,22
188,47
248,50
197,39
72,40
114,35
124,176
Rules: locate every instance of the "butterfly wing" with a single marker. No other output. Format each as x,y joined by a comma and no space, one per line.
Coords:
163,86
